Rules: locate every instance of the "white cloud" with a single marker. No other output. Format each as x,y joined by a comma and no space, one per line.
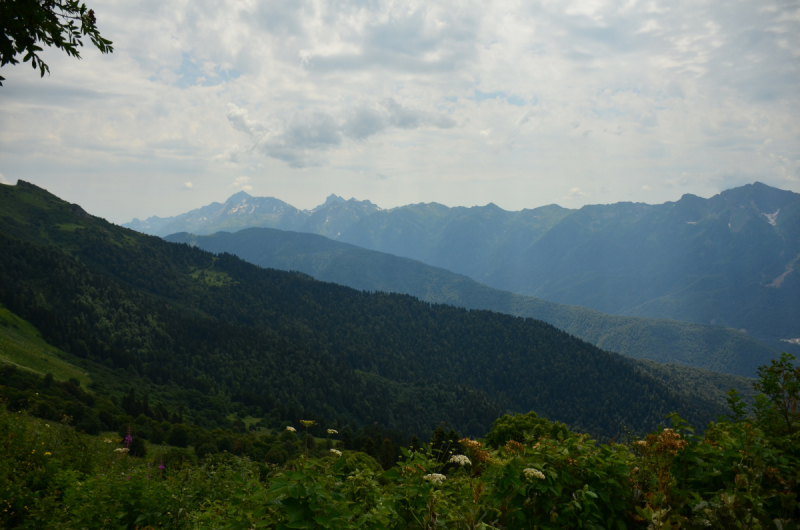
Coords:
460,102
574,193
3,180
241,183
188,186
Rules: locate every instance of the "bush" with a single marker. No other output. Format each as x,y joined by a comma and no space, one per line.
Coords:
138,447
178,436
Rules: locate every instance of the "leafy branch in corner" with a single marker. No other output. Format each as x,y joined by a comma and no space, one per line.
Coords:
59,23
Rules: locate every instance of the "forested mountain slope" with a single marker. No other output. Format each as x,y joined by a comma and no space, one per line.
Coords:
666,341
283,341
730,260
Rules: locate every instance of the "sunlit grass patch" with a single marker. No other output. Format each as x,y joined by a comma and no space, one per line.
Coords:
21,344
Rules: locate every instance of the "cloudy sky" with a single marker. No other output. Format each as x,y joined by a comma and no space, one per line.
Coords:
463,103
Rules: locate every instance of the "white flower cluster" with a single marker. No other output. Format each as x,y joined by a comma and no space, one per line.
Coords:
290,428
461,460
530,473
336,452
121,450
333,431
434,477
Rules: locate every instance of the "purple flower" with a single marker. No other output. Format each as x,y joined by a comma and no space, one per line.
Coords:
161,465
128,439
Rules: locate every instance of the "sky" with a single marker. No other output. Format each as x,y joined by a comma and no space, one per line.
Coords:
463,103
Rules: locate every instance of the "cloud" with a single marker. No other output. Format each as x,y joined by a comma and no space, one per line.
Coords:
188,186
241,183
304,137
232,155
3,180
460,102
574,193
429,39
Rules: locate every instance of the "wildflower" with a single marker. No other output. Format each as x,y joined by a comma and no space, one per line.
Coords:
308,423
107,440
121,450
513,446
336,452
461,460
128,439
471,444
290,428
333,431
530,473
436,478
161,465
48,453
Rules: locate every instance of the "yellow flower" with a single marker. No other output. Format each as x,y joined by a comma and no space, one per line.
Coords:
48,453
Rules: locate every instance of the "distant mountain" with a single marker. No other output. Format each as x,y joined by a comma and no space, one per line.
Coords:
666,341
242,210
731,260
292,347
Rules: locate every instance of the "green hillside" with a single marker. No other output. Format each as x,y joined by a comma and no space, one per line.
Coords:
666,341
22,345
286,344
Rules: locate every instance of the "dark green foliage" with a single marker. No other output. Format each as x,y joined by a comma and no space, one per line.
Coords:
298,348
519,426
778,409
738,475
357,461
388,454
178,436
138,447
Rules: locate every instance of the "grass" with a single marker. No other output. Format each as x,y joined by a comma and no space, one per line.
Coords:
212,277
21,344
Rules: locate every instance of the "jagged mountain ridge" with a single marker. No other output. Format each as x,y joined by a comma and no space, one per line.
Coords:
242,210
730,260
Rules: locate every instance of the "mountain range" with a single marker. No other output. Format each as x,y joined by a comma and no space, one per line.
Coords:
665,341
285,344
730,260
